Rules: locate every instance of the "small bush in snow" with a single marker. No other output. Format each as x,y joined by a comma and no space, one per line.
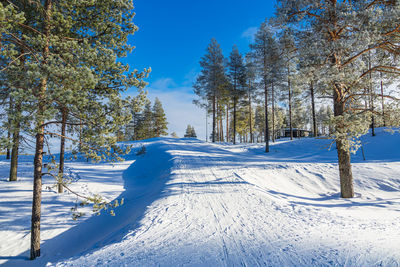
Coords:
141,151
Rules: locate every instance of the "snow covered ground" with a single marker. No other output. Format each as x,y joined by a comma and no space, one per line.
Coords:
190,203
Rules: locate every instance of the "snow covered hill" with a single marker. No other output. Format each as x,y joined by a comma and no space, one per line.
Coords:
190,203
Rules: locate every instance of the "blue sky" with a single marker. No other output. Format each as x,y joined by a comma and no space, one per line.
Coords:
173,36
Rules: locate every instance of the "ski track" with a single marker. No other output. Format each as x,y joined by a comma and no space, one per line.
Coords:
190,203
248,212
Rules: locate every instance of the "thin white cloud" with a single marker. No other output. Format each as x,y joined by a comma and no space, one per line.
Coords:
249,33
163,83
190,77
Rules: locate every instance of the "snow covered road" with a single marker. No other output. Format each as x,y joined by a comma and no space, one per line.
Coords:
219,208
190,203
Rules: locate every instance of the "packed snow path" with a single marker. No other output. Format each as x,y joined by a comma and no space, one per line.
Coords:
220,208
190,203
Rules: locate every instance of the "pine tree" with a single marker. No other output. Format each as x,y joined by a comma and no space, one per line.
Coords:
135,105
159,119
212,82
237,78
145,127
251,92
12,64
190,132
265,56
68,65
308,75
288,54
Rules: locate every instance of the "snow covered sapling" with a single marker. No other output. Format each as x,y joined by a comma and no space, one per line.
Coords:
99,205
98,202
141,151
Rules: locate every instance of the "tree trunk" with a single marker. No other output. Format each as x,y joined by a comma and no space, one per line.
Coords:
346,176
80,136
221,126
234,119
37,195
213,122
8,155
250,120
273,112
218,122
14,157
383,103
315,131
207,124
290,108
227,122
15,148
343,151
62,151
38,160
371,95
266,116
234,111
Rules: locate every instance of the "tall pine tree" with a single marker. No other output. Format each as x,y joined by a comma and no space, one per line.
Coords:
159,119
237,78
211,82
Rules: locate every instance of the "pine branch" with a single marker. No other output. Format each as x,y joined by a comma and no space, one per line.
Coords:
9,64
350,60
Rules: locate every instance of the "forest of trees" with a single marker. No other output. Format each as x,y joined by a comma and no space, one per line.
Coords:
327,66
239,101
60,77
